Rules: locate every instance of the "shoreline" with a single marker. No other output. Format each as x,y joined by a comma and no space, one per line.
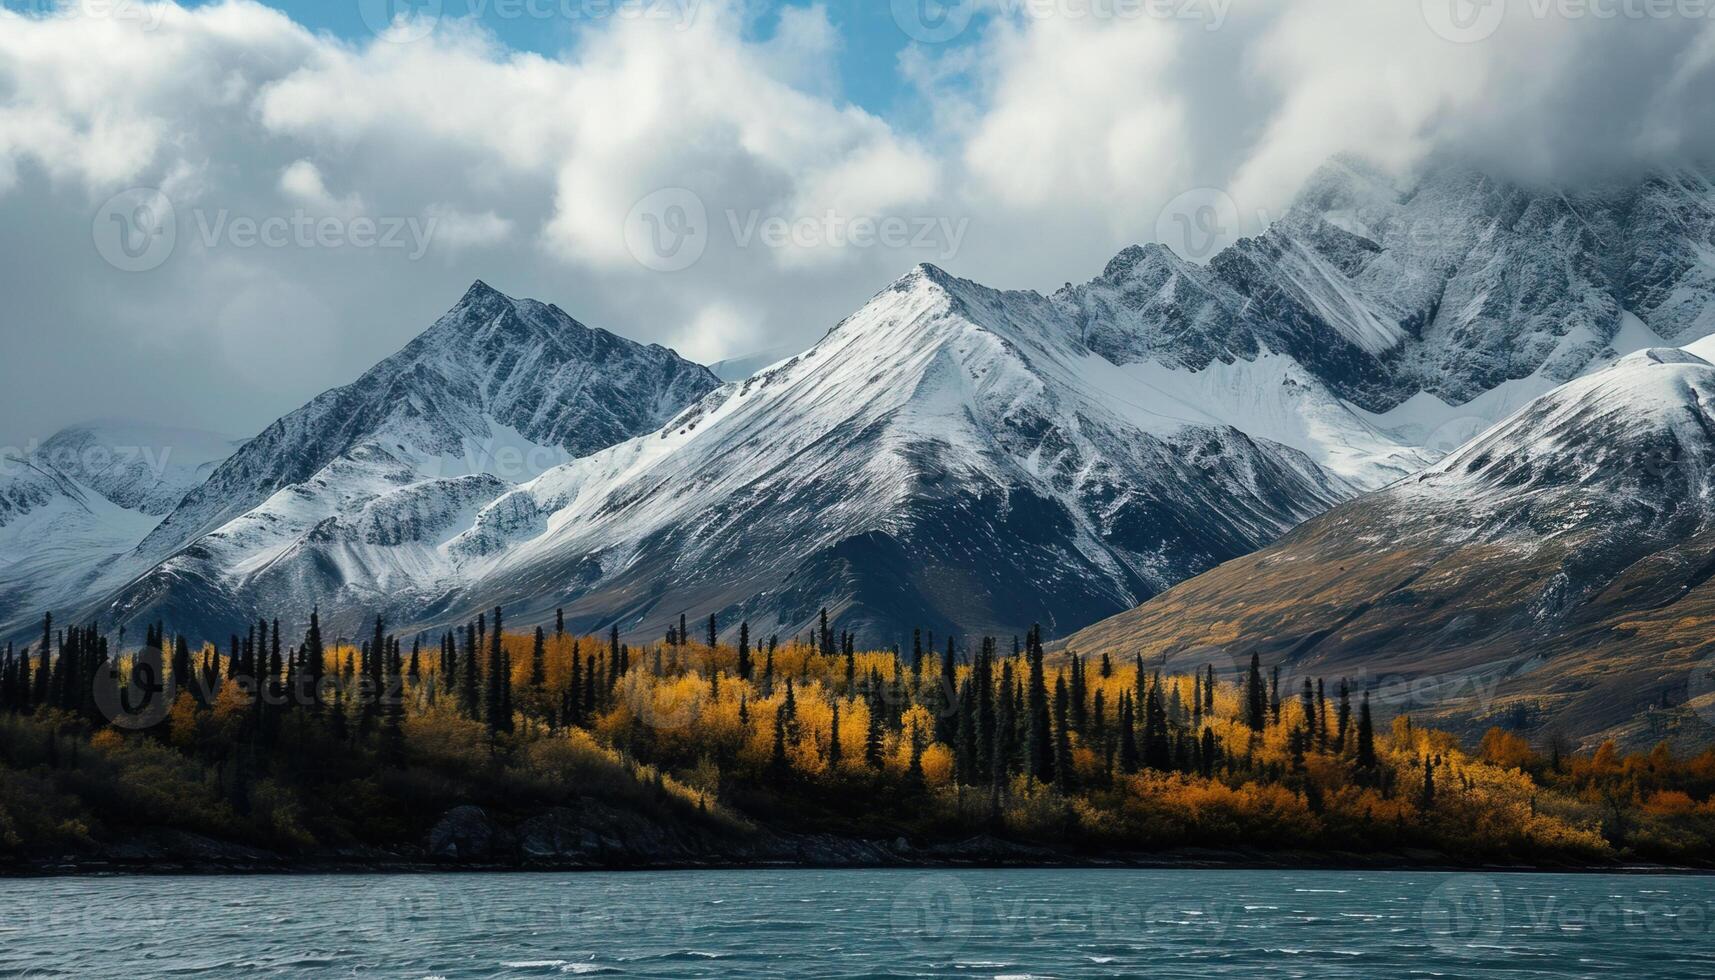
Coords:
1185,860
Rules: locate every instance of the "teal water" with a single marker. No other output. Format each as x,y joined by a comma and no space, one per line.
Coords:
975,924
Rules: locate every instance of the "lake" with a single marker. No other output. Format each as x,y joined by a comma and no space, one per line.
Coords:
980,924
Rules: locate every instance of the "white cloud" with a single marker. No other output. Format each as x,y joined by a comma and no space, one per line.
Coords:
302,181
1058,138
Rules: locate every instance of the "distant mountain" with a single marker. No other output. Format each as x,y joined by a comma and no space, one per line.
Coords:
950,456
1433,306
495,392
78,502
1554,573
497,385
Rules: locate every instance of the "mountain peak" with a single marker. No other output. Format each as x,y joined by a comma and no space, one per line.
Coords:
479,292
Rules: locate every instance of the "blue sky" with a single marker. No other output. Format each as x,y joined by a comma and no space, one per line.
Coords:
868,66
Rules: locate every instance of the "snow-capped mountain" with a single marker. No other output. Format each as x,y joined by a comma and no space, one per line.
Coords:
1432,306
950,456
87,496
497,385
1553,572
495,392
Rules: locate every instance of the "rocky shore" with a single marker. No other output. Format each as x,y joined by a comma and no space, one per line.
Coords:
592,836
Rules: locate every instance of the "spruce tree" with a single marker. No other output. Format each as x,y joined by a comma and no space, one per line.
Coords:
1038,745
1366,755
744,650
1065,775
539,662
1256,696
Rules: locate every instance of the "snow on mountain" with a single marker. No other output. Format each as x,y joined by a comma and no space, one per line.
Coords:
949,456
496,391
72,505
1451,285
497,385
1574,535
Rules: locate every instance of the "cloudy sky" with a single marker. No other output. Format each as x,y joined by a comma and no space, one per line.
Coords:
209,213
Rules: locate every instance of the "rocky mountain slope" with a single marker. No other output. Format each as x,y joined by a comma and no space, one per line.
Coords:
950,456
86,497
1552,574
495,392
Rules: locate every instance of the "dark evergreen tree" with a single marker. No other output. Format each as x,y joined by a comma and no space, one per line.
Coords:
744,650
1256,696
1366,754
1038,740
1065,774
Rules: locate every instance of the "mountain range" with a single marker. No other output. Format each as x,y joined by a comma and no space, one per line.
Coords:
950,456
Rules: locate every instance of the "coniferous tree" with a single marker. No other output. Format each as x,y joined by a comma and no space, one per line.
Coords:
1343,716
1274,694
1321,717
713,633
1366,756
1206,757
1157,752
1065,775
1079,693
778,759
744,650
496,690
1129,757
1038,745
1256,696
1307,701
470,690
539,662
1001,755
1428,800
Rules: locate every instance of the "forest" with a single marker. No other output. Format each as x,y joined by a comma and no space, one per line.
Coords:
318,746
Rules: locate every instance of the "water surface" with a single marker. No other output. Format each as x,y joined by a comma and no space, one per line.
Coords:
976,924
